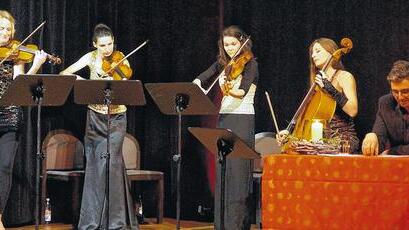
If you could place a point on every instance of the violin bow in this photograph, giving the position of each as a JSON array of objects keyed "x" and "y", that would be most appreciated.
[
  {"x": 124, "y": 58},
  {"x": 272, "y": 111},
  {"x": 22, "y": 42},
  {"x": 231, "y": 60}
]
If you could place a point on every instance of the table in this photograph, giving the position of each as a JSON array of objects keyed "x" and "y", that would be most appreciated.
[{"x": 335, "y": 192}]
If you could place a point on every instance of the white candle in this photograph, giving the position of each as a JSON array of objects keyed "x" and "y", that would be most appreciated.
[{"x": 316, "y": 130}]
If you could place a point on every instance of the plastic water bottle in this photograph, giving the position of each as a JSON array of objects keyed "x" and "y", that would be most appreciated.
[
  {"x": 139, "y": 211},
  {"x": 47, "y": 211}
]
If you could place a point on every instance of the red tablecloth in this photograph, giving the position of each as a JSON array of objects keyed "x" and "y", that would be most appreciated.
[{"x": 335, "y": 192}]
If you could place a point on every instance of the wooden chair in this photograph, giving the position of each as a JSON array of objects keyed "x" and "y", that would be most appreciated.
[
  {"x": 64, "y": 162},
  {"x": 131, "y": 153}
]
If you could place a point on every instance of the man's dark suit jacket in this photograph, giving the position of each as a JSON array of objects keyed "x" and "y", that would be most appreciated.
[{"x": 391, "y": 127}]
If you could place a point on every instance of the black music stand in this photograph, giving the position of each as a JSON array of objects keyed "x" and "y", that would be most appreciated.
[
  {"x": 38, "y": 90},
  {"x": 108, "y": 92},
  {"x": 227, "y": 145},
  {"x": 180, "y": 98}
]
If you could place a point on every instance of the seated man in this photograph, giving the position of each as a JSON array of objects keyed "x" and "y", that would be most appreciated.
[{"x": 390, "y": 132}]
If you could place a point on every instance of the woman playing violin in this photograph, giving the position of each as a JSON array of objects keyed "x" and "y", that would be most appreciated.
[
  {"x": 92, "y": 208},
  {"x": 340, "y": 85},
  {"x": 10, "y": 116},
  {"x": 238, "y": 84}
]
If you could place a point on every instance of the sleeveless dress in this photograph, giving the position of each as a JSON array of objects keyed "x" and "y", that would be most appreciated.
[{"x": 342, "y": 125}]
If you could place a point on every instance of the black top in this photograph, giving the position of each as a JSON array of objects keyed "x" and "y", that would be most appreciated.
[
  {"x": 392, "y": 126},
  {"x": 10, "y": 116}
]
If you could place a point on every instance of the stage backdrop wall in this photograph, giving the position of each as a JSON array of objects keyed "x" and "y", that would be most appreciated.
[{"x": 182, "y": 43}]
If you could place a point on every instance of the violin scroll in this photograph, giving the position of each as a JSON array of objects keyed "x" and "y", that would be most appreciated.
[{"x": 53, "y": 59}]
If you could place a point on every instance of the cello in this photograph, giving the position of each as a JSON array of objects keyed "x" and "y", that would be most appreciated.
[{"x": 317, "y": 104}]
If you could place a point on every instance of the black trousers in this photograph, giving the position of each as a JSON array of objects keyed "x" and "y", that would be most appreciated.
[
  {"x": 238, "y": 184},
  {"x": 8, "y": 149}
]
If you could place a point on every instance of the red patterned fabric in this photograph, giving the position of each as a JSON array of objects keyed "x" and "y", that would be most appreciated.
[{"x": 335, "y": 192}]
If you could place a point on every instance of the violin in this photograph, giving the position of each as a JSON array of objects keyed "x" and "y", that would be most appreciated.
[
  {"x": 115, "y": 67},
  {"x": 114, "y": 64},
  {"x": 317, "y": 104},
  {"x": 19, "y": 53},
  {"x": 235, "y": 70},
  {"x": 236, "y": 67}
]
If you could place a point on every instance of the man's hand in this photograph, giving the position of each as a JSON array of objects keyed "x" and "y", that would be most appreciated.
[
  {"x": 386, "y": 152},
  {"x": 370, "y": 145}
]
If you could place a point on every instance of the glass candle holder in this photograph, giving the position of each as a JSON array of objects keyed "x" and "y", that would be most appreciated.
[{"x": 345, "y": 147}]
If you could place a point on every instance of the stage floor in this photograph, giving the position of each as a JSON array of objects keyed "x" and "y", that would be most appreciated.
[{"x": 168, "y": 223}]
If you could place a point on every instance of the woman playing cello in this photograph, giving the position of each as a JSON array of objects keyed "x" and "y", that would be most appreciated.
[
  {"x": 238, "y": 83},
  {"x": 93, "y": 205},
  {"x": 340, "y": 85}
]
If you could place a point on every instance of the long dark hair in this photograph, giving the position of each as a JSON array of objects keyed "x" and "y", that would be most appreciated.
[
  {"x": 101, "y": 30},
  {"x": 330, "y": 46},
  {"x": 232, "y": 31}
]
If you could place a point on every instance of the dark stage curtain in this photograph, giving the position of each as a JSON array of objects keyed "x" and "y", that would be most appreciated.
[
  {"x": 283, "y": 30},
  {"x": 183, "y": 37},
  {"x": 182, "y": 42}
]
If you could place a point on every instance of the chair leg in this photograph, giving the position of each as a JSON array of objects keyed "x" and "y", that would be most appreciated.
[{"x": 159, "y": 192}]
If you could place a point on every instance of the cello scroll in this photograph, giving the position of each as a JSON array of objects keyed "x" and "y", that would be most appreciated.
[{"x": 347, "y": 45}]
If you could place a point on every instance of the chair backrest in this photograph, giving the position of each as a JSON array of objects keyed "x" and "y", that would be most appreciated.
[
  {"x": 131, "y": 152},
  {"x": 63, "y": 151},
  {"x": 265, "y": 143}
]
